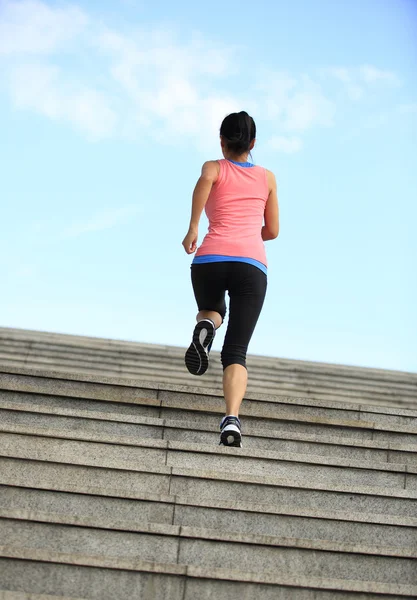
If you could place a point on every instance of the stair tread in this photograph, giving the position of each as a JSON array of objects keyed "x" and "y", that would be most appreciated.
[
  {"x": 219, "y": 475},
  {"x": 17, "y": 595},
  {"x": 249, "y": 431},
  {"x": 146, "y": 366},
  {"x": 31, "y": 432},
  {"x": 278, "y": 509},
  {"x": 99, "y": 462},
  {"x": 204, "y": 533},
  {"x": 29, "y": 337},
  {"x": 265, "y": 577},
  {"x": 52, "y": 375}
]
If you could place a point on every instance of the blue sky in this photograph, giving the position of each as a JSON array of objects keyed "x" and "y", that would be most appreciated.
[{"x": 109, "y": 109}]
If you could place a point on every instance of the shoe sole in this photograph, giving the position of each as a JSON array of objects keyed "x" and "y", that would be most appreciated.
[
  {"x": 231, "y": 437},
  {"x": 196, "y": 357}
]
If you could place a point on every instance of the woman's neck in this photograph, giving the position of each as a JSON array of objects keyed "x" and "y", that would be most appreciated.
[{"x": 242, "y": 158}]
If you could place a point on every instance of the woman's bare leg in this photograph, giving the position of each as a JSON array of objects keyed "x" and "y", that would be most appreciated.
[
  {"x": 235, "y": 378},
  {"x": 212, "y": 315}
]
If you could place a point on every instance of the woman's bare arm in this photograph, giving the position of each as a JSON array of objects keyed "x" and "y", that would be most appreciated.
[
  {"x": 208, "y": 177},
  {"x": 270, "y": 230}
]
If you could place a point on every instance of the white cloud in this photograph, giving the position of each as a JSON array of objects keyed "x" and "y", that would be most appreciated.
[
  {"x": 308, "y": 107},
  {"x": 31, "y": 26},
  {"x": 410, "y": 108},
  {"x": 288, "y": 145},
  {"x": 371, "y": 74},
  {"x": 34, "y": 86},
  {"x": 46, "y": 232},
  {"x": 131, "y": 3},
  {"x": 106, "y": 219},
  {"x": 340, "y": 73},
  {"x": 26, "y": 271},
  {"x": 167, "y": 82},
  {"x": 345, "y": 76},
  {"x": 45, "y": 89},
  {"x": 355, "y": 92},
  {"x": 295, "y": 105},
  {"x": 357, "y": 80},
  {"x": 106, "y": 82},
  {"x": 275, "y": 89}
]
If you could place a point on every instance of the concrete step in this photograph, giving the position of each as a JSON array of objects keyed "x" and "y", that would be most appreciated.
[
  {"x": 17, "y": 364},
  {"x": 261, "y": 381},
  {"x": 164, "y": 363},
  {"x": 28, "y": 379},
  {"x": 99, "y": 578},
  {"x": 108, "y": 537},
  {"x": 102, "y": 475},
  {"x": 209, "y": 485},
  {"x": 31, "y": 341},
  {"x": 109, "y": 451},
  {"x": 75, "y": 419},
  {"x": 185, "y": 403},
  {"x": 173, "y": 366},
  {"x": 262, "y": 519},
  {"x": 10, "y": 595}
]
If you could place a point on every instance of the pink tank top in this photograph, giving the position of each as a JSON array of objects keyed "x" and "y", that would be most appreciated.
[{"x": 235, "y": 210}]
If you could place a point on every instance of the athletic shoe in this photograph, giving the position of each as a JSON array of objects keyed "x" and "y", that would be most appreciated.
[
  {"x": 230, "y": 434},
  {"x": 197, "y": 355}
]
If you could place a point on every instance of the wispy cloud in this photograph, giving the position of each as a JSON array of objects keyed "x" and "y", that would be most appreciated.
[
  {"x": 106, "y": 219},
  {"x": 288, "y": 145},
  {"x": 408, "y": 108},
  {"x": 371, "y": 74},
  {"x": 51, "y": 231},
  {"x": 350, "y": 82},
  {"x": 296, "y": 104},
  {"x": 107, "y": 82},
  {"x": 358, "y": 80},
  {"x": 309, "y": 107},
  {"x": 46, "y": 90},
  {"x": 26, "y": 271},
  {"x": 31, "y": 26}
]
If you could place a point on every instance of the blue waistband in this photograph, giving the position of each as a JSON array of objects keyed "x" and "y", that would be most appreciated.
[{"x": 210, "y": 258}]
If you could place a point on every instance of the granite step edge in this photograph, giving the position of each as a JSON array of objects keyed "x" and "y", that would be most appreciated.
[
  {"x": 264, "y": 377},
  {"x": 210, "y": 475},
  {"x": 165, "y": 423},
  {"x": 204, "y": 533},
  {"x": 195, "y": 448},
  {"x": 278, "y": 509},
  {"x": 33, "y": 336},
  {"x": 208, "y": 573},
  {"x": 189, "y": 389}
]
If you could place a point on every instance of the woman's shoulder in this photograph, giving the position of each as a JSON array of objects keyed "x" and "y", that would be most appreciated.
[
  {"x": 267, "y": 171},
  {"x": 270, "y": 177},
  {"x": 211, "y": 169},
  {"x": 269, "y": 174}
]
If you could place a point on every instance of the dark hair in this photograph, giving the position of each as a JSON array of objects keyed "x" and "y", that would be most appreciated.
[{"x": 238, "y": 130}]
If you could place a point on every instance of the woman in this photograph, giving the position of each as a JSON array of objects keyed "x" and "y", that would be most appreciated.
[{"x": 241, "y": 204}]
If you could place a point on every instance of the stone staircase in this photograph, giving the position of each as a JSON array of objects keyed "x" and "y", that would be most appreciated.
[
  {"x": 108, "y": 492},
  {"x": 165, "y": 364}
]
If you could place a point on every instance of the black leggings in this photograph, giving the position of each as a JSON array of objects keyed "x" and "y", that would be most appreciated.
[{"x": 246, "y": 285}]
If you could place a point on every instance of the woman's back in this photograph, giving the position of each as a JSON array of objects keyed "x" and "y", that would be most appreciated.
[{"x": 235, "y": 209}]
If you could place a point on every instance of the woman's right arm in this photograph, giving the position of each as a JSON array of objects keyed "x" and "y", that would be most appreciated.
[
  {"x": 270, "y": 230},
  {"x": 208, "y": 177}
]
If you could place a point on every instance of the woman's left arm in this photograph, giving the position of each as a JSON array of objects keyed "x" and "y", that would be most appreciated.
[{"x": 208, "y": 177}]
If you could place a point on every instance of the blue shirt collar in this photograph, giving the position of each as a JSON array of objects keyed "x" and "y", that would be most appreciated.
[{"x": 241, "y": 164}]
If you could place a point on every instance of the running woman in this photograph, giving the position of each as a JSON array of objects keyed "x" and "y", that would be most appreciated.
[{"x": 240, "y": 200}]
